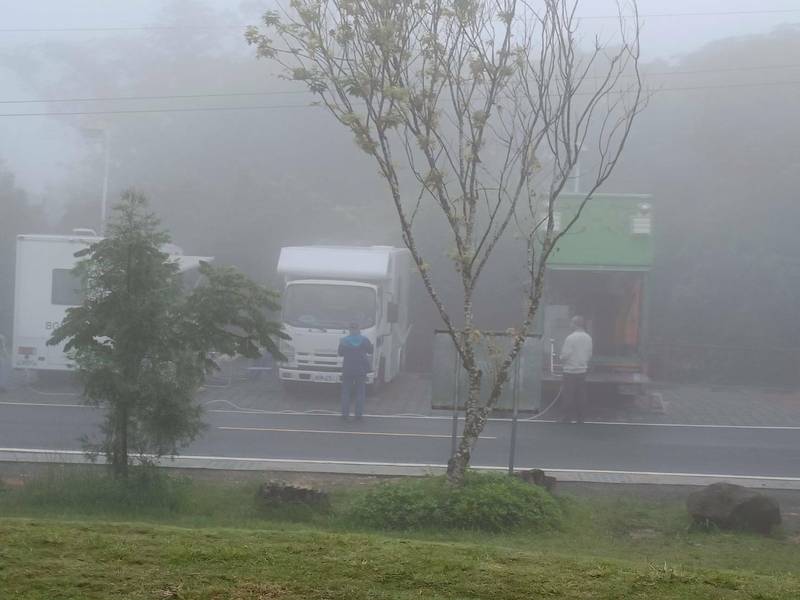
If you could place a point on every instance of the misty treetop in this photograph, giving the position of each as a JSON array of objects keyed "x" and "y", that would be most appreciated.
[{"x": 143, "y": 344}]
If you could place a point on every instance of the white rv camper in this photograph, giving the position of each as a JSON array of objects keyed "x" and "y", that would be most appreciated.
[
  {"x": 329, "y": 287},
  {"x": 45, "y": 288}
]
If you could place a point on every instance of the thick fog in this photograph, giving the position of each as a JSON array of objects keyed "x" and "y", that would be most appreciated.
[{"x": 260, "y": 169}]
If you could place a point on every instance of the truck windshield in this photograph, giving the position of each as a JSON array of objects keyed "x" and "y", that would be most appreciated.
[{"x": 329, "y": 306}]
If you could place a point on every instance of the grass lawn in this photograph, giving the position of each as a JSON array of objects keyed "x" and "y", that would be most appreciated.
[
  {"x": 86, "y": 560},
  {"x": 209, "y": 540}
]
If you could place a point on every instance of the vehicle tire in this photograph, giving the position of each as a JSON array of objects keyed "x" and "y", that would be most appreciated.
[
  {"x": 402, "y": 364},
  {"x": 380, "y": 380}
]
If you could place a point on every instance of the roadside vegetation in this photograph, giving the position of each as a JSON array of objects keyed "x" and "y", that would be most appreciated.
[
  {"x": 485, "y": 502},
  {"x": 143, "y": 343},
  {"x": 75, "y": 533}
]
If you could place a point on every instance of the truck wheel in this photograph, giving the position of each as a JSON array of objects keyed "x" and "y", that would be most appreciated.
[
  {"x": 380, "y": 380},
  {"x": 402, "y": 362}
]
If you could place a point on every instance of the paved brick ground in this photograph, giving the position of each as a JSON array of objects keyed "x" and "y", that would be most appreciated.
[
  {"x": 706, "y": 405},
  {"x": 410, "y": 394}
]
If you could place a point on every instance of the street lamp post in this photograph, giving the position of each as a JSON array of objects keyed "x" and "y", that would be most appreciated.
[
  {"x": 456, "y": 397},
  {"x": 512, "y": 451},
  {"x": 104, "y": 198},
  {"x": 101, "y": 133}
]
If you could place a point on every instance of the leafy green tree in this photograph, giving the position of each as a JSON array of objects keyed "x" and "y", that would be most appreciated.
[
  {"x": 143, "y": 346},
  {"x": 488, "y": 105}
]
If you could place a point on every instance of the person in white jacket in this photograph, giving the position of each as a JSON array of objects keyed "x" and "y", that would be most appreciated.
[{"x": 575, "y": 356}]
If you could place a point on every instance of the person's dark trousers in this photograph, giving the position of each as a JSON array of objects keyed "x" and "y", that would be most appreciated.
[
  {"x": 574, "y": 391},
  {"x": 353, "y": 385}
]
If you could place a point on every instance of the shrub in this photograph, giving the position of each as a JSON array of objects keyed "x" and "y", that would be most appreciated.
[
  {"x": 282, "y": 501},
  {"x": 488, "y": 502}
]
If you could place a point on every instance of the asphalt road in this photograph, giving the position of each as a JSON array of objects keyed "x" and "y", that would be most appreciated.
[{"x": 646, "y": 448}]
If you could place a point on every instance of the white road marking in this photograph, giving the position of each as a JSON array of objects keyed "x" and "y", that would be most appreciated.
[
  {"x": 684, "y": 425},
  {"x": 46, "y": 404},
  {"x": 506, "y": 420},
  {"x": 316, "y": 413},
  {"x": 345, "y": 432}
]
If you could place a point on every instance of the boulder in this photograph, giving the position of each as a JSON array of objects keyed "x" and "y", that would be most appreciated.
[
  {"x": 730, "y": 506},
  {"x": 537, "y": 477},
  {"x": 278, "y": 493}
]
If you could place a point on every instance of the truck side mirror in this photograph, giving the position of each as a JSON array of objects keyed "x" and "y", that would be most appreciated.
[{"x": 392, "y": 312}]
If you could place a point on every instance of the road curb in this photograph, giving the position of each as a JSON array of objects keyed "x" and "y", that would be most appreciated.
[{"x": 403, "y": 469}]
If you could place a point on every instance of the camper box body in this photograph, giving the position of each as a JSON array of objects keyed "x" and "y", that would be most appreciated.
[
  {"x": 601, "y": 270},
  {"x": 45, "y": 287}
]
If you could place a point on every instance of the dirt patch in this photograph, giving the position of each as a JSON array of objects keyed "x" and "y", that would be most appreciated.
[
  {"x": 12, "y": 483},
  {"x": 14, "y": 474},
  {"x": 643, "y": 534},
  {"x": 255, "y": 591}
]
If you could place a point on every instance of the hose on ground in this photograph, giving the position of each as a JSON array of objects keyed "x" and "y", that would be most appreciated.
[{"x": 542, "y": 413}]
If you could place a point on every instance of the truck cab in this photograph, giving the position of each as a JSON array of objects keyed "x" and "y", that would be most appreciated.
[{"x": 328, "y": 288}]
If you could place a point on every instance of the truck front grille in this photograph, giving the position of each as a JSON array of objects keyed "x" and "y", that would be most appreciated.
[{"x": 304, "y": 366}]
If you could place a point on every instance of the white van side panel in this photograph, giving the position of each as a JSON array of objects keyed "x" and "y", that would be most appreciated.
[{"x": 35, "y": 315}]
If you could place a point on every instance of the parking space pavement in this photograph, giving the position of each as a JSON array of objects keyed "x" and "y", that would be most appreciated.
[
  {"x": 410, "y": 394},
  {"x": 723, "y": 405},
  {"x": 236, "y": 388}
]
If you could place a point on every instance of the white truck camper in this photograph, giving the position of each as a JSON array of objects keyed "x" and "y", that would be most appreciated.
[
  {"x": 330, "y": 287},
  {"x": 45, "y": 288}
]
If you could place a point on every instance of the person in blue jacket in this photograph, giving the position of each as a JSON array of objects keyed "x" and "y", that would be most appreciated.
[{"x": 354, "y": 349}]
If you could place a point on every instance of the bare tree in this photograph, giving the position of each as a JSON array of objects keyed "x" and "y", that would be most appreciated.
[{"x": 489, "y": 104}]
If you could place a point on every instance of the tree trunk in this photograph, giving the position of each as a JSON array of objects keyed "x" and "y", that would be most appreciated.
[
  {"x": 474, "y": 422},
  {"x": 119, "y": 455}
]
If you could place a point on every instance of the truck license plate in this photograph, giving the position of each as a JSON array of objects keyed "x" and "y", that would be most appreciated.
[{"x": 326, "y": 378}]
